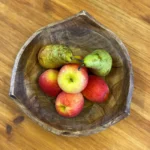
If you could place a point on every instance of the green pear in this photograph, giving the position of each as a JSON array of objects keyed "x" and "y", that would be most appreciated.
[
  {"x": 54, "y": 56},
  {"x": 99, "y": 61}
]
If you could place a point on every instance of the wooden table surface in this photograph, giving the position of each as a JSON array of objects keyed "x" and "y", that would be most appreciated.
[{"x": 129, "y": 19}]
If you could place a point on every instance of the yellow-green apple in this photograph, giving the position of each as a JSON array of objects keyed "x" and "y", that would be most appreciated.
[
  {"x": 71, "y": 79},
  {"x": 69, "y": 105},
  {"x": 97, "y": 90},
  {"x": 48, "y": 82}
]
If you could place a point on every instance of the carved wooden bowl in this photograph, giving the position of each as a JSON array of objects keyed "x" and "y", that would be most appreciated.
[{"x": 83, "y": 34}]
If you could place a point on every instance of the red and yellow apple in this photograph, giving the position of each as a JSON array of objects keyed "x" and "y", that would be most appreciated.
[
  {"x": 69, "y": 105},
  {"x": 48, "y": 82},
  {"x": 97, "y": 90},
  {"x": 71, "y": 79}
]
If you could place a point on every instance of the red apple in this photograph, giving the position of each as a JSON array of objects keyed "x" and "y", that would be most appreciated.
[
  {"x": 48, "y": 82},
  {"x": 71, "y": 79},
  {"x": 97, "y": 90},
  {"x": 69, "y": 105}
]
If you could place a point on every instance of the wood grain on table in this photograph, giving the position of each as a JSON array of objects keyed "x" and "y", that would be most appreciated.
[{"x": 129, "y": 19}]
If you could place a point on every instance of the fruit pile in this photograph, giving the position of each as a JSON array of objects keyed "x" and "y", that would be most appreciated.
[{"x": 68, "y": 79}]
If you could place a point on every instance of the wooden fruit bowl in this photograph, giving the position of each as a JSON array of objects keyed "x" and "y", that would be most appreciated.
[{"x": 83, "y": 34}]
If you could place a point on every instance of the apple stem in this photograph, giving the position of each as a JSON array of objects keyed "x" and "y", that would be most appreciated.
[{"x": 82, "y": 65}]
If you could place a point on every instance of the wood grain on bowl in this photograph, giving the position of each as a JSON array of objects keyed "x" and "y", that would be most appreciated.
[{"x": 84, "y": 34}]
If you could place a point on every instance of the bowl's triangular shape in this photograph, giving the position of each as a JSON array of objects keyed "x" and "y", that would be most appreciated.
[{"x": 82, "y": 33}]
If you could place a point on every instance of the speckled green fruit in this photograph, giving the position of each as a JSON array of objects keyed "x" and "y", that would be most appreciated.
[{"x": 54, "y": 56}]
